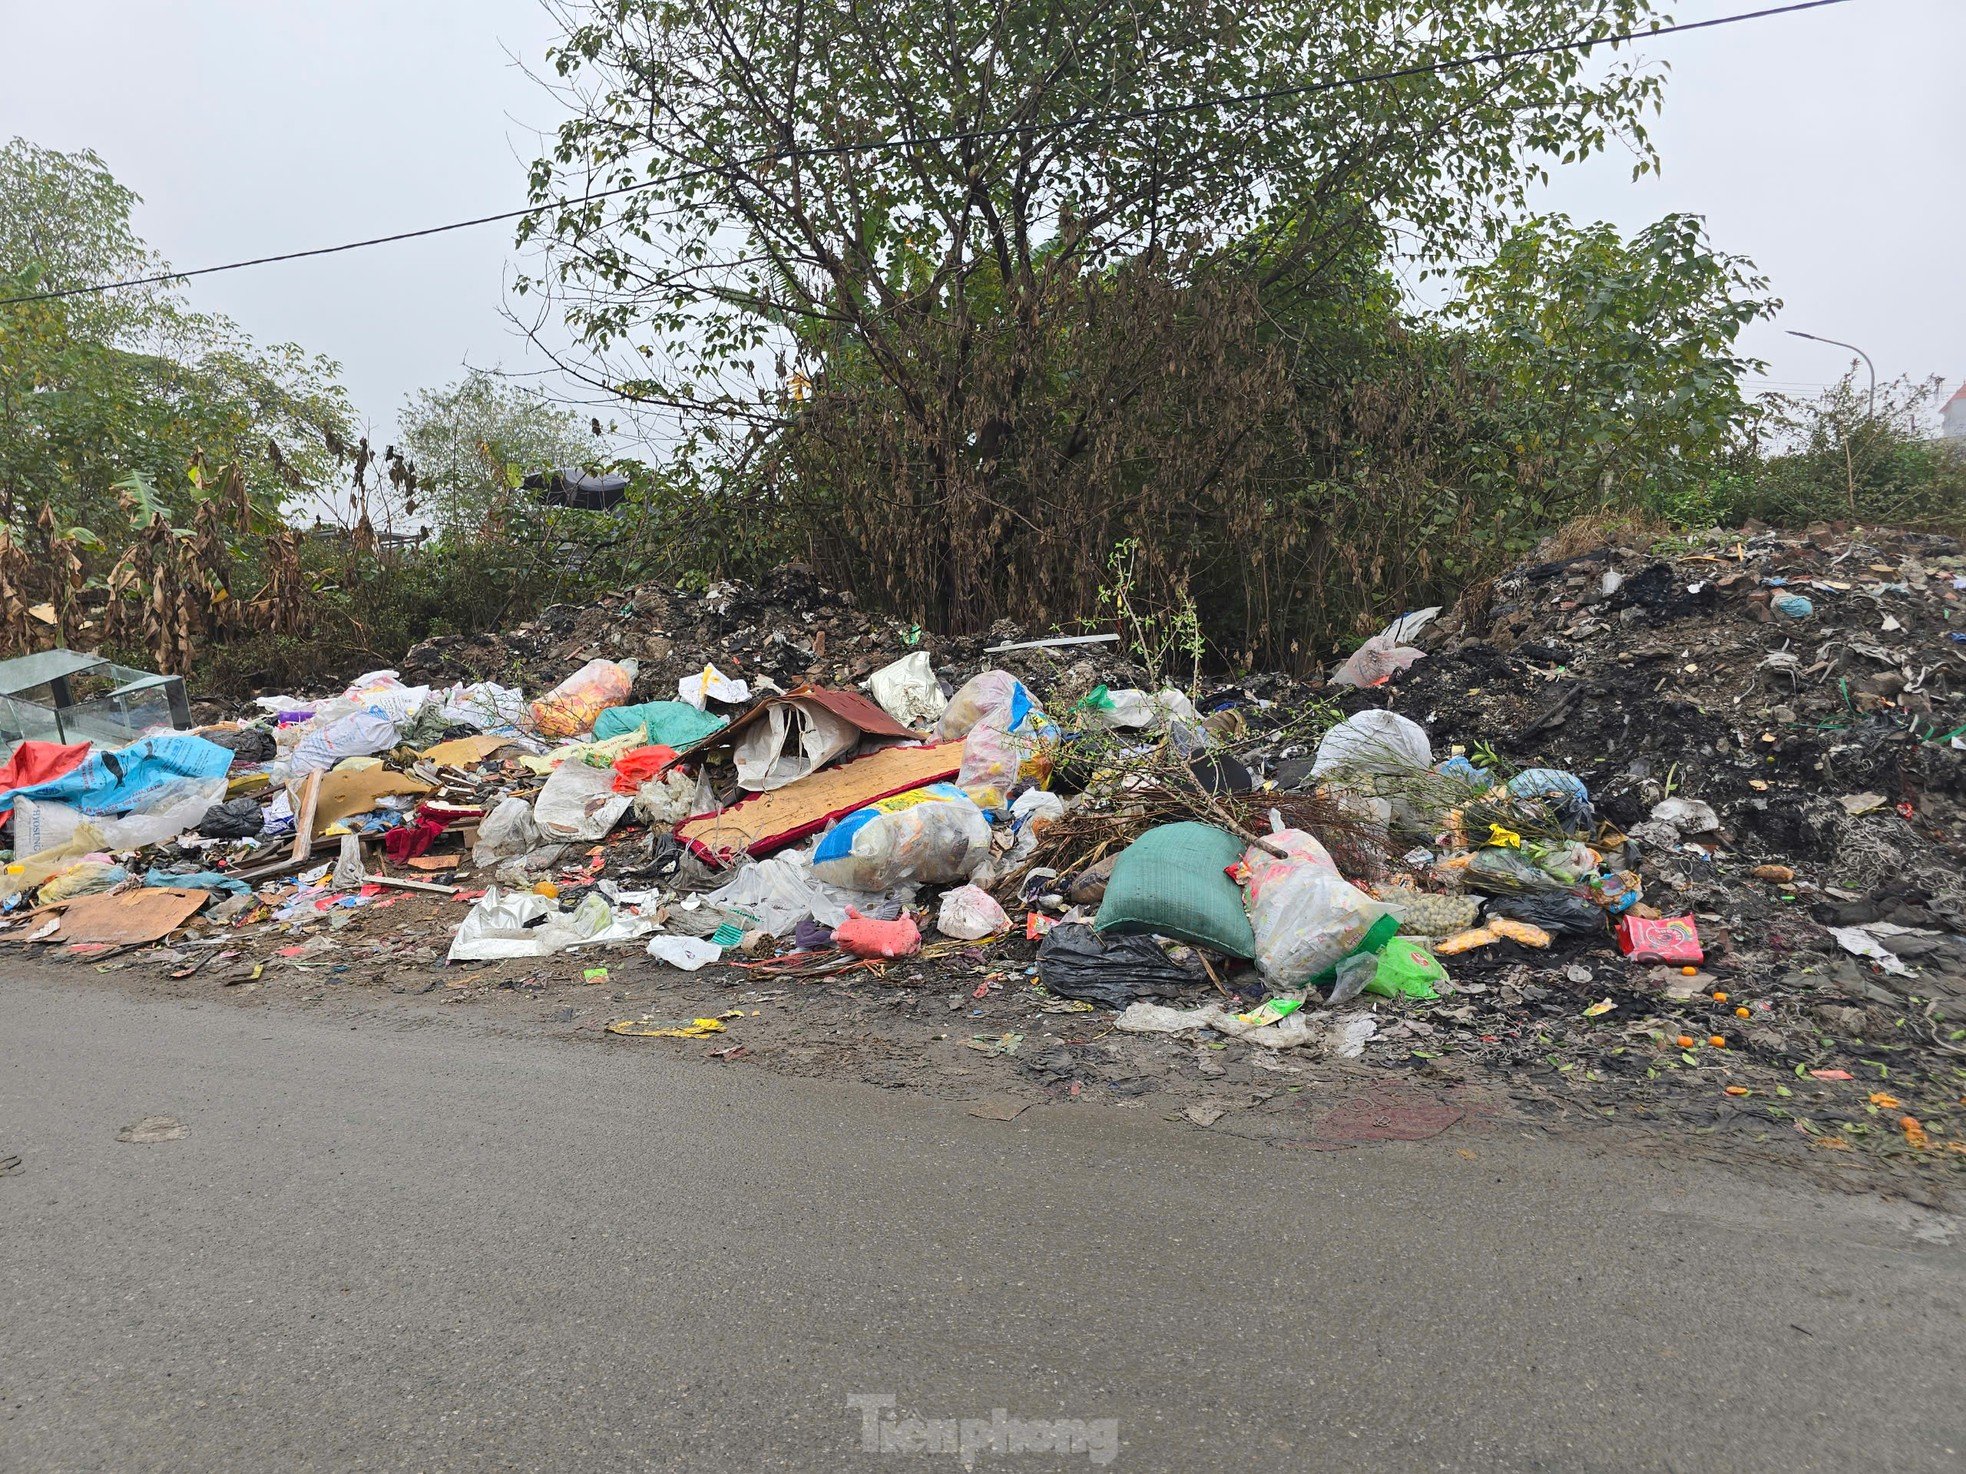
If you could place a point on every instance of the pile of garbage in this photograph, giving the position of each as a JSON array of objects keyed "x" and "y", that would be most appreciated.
[{"x": 1687, "y": 814}]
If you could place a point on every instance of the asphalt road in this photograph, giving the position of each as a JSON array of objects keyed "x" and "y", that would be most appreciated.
[{"x": 439, "y": 1247}]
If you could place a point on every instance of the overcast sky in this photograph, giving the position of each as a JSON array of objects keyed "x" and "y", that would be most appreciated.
[{"x": 1830, "y": 147}]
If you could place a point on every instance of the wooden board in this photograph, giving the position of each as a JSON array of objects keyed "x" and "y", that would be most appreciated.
[{"x": 769, "y": 821}]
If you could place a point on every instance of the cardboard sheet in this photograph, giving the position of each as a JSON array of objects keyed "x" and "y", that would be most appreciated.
[
  {"x": 147, "y": 915},
  {"x": 465, "y": 752},
  {"x": 769, "y": 821},
  {"x": 345, "y": 792}
]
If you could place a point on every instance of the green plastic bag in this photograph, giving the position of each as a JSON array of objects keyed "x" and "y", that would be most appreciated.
[
  {"x": 1407, "y": 970},
  {"x": 1172, "y": 882},
  {"x": 674, "y": 724}
]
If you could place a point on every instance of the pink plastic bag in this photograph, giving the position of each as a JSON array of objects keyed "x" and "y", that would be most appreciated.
[{"x": 862, "y": 936}]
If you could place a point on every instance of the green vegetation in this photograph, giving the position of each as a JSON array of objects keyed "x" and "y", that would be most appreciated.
[{"x": 1087, "y": 347}]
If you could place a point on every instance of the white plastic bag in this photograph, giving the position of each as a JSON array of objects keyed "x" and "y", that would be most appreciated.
[
  {"x": 673, "y": 797},
  {"x": 908, "y": 691},
  {"x": 359, "y": 734},
  {"x": 781, "y": 891},
  {"x": 933, "y": 834},
  {"x": 1034, "y": 812},
  {"x": 43, "y": 824},
  {"x": 712, "y": 685},
  {"x": 1304, "y": 913},
  {"x": 1383, "y": 656},
  {"x": 579, "y": 803},
  {"x": 970, "y": 913},
  {"x": 688, "y": 953},
  {"x": 1373, "y": 740},
  {"x": 348, "y": 872},
  {"x": 794, "y": 738},
  {"x": 165, "y": 812},
  {"x": 506, "y": 924},
  {"x": 484, "y": 705}
]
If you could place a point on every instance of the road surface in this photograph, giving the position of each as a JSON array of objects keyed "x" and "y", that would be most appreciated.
[{"x": 399, "y": 1246}]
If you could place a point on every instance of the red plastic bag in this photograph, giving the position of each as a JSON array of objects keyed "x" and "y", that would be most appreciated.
[
  {"x": 862, "y": 936},
  {"x": 1669, "y": 939},
  {"x": 633, "y": 769}
]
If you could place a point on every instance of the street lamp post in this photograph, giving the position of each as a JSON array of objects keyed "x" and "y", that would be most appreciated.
[{"x": 1839, "y": 343}]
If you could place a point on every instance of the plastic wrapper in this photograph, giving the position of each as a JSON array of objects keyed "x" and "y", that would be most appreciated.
[
  {"x": 579, "y": 803},
  {"x": 503, "y": 924},
  {"x": 1569, "y": 863},
  {"x": 691, "y": 954},
  {"x": 908, "y": 691},
  {"x": 1383, "y": 656},
  {"x": 1504, "y": 872},
  {"x": 710, "y": 685},
  {"x": 83, "y": 878},
  {"x": 1373, "y": 741},
  {"x": 672, "y": 798},
  {"x": 359, "y": 734},
  {"x": 1305, "y": 915},
  {"x": 571, "y": 707},
  {"x": 348, "y": 872},
  {"x": 969, "y": 914},
  {"x": 383, "y": 692},
  {"x": 1665, "y": 939},
  {"x": 641, "y": 765},
  {"x": 932, "y": 835}
]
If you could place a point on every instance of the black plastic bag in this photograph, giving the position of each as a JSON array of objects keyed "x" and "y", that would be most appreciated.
[
  {"x": 1076, "y": 962},
  {"x": 247, "y": 745},
  {"x": 1557, "y": 912},
  {"x": 239, "y": 818}
]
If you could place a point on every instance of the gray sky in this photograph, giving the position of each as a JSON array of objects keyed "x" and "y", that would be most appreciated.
[{"x": 1829, "y": 147}]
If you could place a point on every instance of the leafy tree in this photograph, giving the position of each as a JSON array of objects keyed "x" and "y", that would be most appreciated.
[
  {"x": 973, "y": 334},
  {"x": 1614, "y": 359},
  {"x": 113, "y": 394},
  {"x": 472, "y": 441}
]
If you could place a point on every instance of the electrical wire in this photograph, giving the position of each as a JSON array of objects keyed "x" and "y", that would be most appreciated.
[{"x": 1220, "y": 100}]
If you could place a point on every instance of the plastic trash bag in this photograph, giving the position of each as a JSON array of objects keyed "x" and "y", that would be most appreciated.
[
  {"x": 674, "y": 724},
  {"x": 794, "y": 739},
  {"x": 672, "y": 798},
  {"x": 689, "y": 953},
  {"x": 1429, "y": 914},
  {"x": 83, "y": 878},
  {"x": 579, "y": 803},
  {"x": 1382, "y": 657},
  {"x": 908, "y": 691},
  {"x": 781, "y": 891},
  {"x": 166, "y": 811},
  {"x": 348, "y": 872},
  {"x": 1032, "y": 814},
  {"x": 642, "y": 765},
  {"x": 246, "y": 744},
  {"x": 483, "y": 705},
  {"x": 1076, "y": 962},
  {"x": 1688, "y": 815},
  {"x": 863, "y": 936},
  {"x": 506, "y": 833},
  {"x": 712, "y": 685},
  {"x": 933, "y": 835},
  {"x": 1558, "y": 912},
  {"x": 571, "y": 707},
  {"x": 1373, "y": 740},
  {"x": 1504, "y": 872},
  {"x": 359, "y": 734},
  {"x": 504, "y": 924},
  {"x": 1002, "y": 727},
  {"x": 238, "y": 818},
  {"x": 1306, "y": 916},
  {"x": 970, "y": 913},
  {"x": 1564, "y": 794}
]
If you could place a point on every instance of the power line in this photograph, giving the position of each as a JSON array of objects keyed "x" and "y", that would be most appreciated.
[{"x": 1202, "y": 104}]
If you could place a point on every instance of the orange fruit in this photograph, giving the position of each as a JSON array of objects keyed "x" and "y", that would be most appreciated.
[
  {"x": 1742, "y": 1013},
  {"x": 1718, "y": 1041},
  {"x": 1684, "y": 1041},
  {"x": 1720, "y": 998}
]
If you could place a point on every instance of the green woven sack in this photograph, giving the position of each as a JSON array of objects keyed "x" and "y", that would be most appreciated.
[{"x": 1170, "y": 882}]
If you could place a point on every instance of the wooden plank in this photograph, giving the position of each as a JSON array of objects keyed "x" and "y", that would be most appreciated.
[{"x": 310, "y": 798}]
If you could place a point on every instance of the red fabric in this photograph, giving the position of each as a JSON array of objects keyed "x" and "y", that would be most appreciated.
[
  {"x": 633, "y": 769},
  {"x": 412, "y": 839},
  {"x": 37, "y": 762}
]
